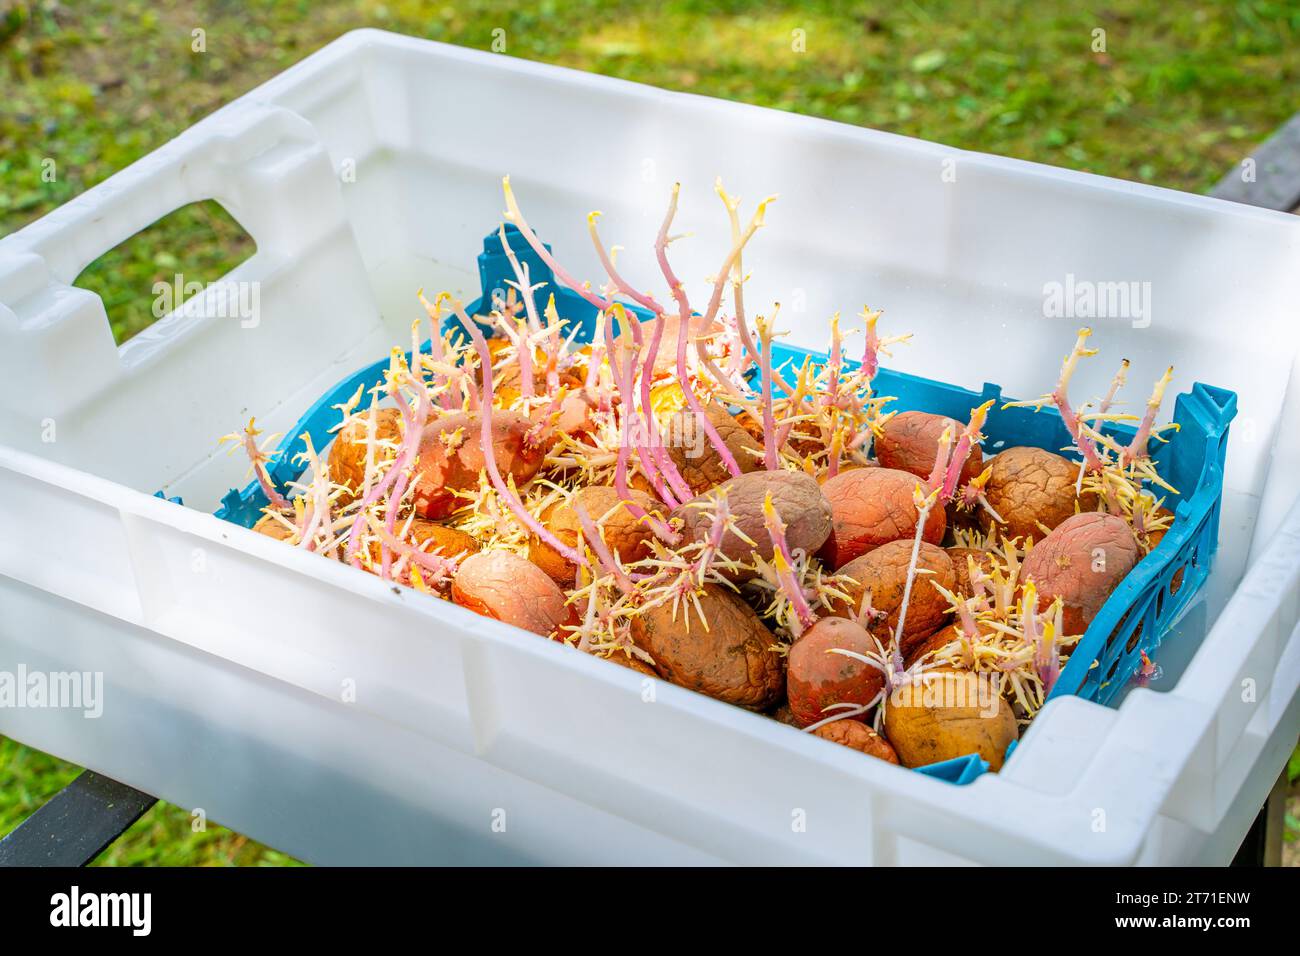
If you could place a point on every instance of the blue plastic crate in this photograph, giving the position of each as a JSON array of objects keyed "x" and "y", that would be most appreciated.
[{"x": 1141, "y": 612}]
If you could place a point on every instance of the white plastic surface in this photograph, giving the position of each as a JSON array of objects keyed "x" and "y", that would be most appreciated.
[{"x": 324, "y": 712}]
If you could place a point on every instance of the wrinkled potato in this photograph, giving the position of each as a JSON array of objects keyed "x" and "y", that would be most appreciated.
[
  {"x": 627, "y": 537},
  {"x": 825, "y": 476},
  {"x": 448, "y": 542},
  {"x": 504, "y": 586},
  {"x": 946, "y": 714},
  {"x": 1081, "y": 562},
  {"x": 910, "y": 442},
  {"x": 347, "y": 457},
  {"x": 444, "y": 541},
  {"x": 961, "y": 567},
  {"x": 732, "y": 660},
  {"x": 871, "y": 507},
  {"x": 858, "y": 736},
  {"x": 934, "y": 642},
  {"x": 883, "y": 572},
  {"x": 796, "y": 497},
  {"x": 785, "y": 715},
  {"x": 624, "y": 659},
  {"x": 1029, "y": 486},
  {"x": 816, "y": 678},
  {"x": 698, "y": 461},
  {"x": 451, "y": 457}
]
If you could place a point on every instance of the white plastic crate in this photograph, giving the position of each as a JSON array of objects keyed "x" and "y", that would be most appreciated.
[{"x": 227, "y": 657}]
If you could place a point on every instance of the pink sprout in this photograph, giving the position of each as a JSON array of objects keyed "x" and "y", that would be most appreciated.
[
  {"x": 506, "y": 491},
  {"x": 783, "y": 562}
]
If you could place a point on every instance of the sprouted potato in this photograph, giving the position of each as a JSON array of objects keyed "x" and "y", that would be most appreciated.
[{"x": 810, "y": 554}]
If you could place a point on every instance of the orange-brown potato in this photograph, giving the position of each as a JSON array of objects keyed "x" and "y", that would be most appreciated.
[
  {"x": 574, "y": 410},
  {"x": 448, "y": 542},
  {"x": 785, "y": 715},
  {"x": 624, "y": 659},
  {"x": 273, "y": 527},
  {"x": 444, "y": 541},
  {"x": 845, "y": 466},
  {"x": 347, "y": 457},
  {"x": 949, "y": 713},
  {"x": 883, "y": 572},
  {"x": 733, "y": 660},
  {"x": 627, "y": 537},
  {"x": 796, "y": 497},
  {"x": 857, "y": 736},
  {"x": 574, "y": 417},
  {"x": 817, "y": 678},
  {"x": 910, "y": 442},
  {"x": 694, "y": 455},
  {"x": 961, "y": 558},
  {"x": 1081, "y": 562},
  {"x": 666, "y": 355},
  {"x": 502, "y": 585},
  {"x": 451, "y": 457},
  {"x": 506, "y": 380},
  {"x": 871, "y": 507},
  {"x": 1029, "y": 486},
  {"x": 932, "y": 644}
]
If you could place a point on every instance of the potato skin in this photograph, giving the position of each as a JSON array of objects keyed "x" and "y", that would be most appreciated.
[
  {"x": 272, "y": 528},
  {"x": 857, "y": 736},
  {"x": 624, "y": 659},
  {"x": 943, "y": 716},
  {"x": 846, "y": 466},
  {"x": 871, "y": 507},
  {"x": 883, "y": 571},
  {"x": 347, "y": 457},
  {"x": 451, "y": 541},
  {"x": 961, "y": 569},
  {"x": 816, "y": 678},
  {"x": 626, "y": 537},
  {"x": 1081, "y": 562},
  {"x": 732, "y": 661},
  {"x": 504, "y": 586},
  {"x": 909, "y": 441},
  {"x": 934, "y": 642},
  {"x": 700, "y": 464},
  {"x": 446, "y": 542},
  {"x": 784, "y": 715},
  {"x": 796, "y": 497},
  {"x": 441, "y": 471},
  {"x": 1031, "y": 485},
  {"x": 574, "y": 418}
]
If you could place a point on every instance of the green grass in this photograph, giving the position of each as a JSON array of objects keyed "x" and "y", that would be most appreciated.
[
  {"x": 1179, "y": 97},
  {"x": 164, "y": 836}
]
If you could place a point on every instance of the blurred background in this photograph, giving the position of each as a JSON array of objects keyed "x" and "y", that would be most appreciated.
[{"x": 1175, "y": 94}]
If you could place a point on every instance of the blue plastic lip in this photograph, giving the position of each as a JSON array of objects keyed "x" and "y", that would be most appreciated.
[{"x": 1196, "y": 451}]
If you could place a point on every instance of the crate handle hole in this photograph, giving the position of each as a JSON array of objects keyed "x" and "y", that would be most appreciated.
[{"x": 155, "y": 271}]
